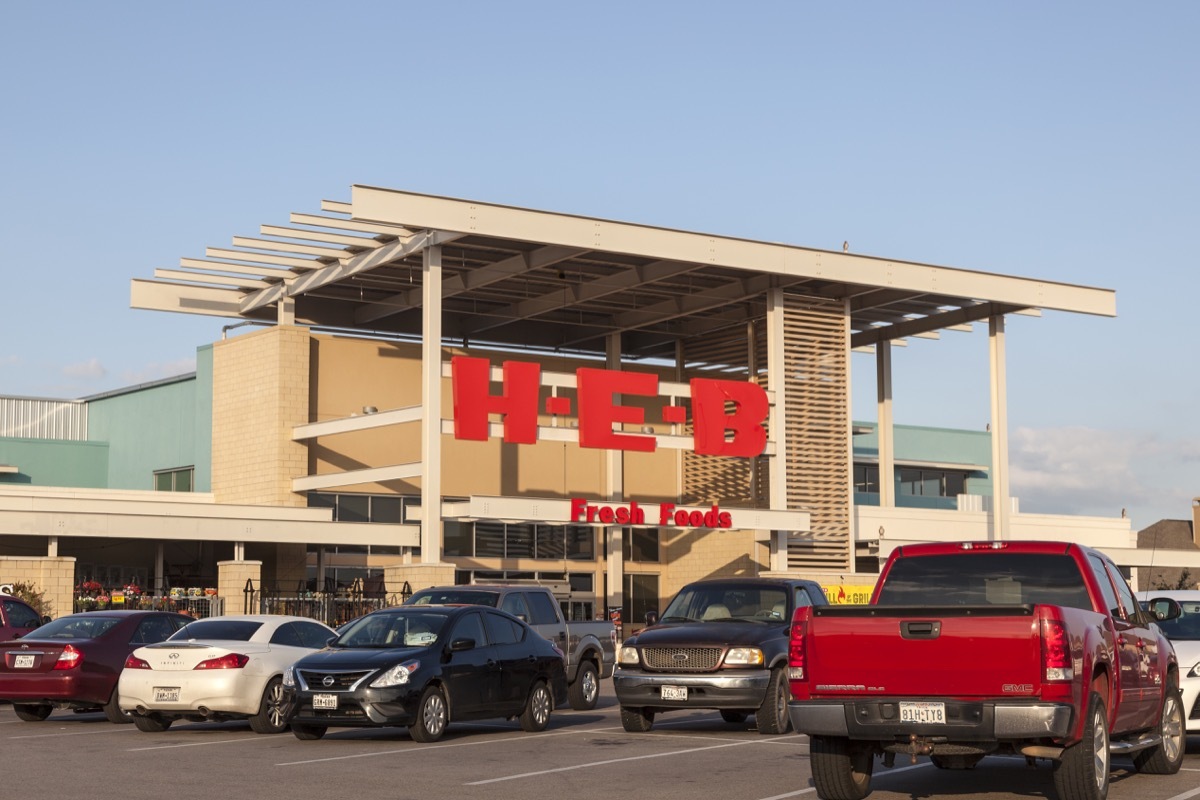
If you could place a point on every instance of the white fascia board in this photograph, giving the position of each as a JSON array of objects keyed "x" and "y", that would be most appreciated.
[
  {"x": 8, "y": 469},
  {"x": 356, "y": 423},
  {"x": 357, "y": 476},
  {"x": 426, "y": 211},
  {"x": 555, "y": 511},
  {"x": 184, "y": 299}
]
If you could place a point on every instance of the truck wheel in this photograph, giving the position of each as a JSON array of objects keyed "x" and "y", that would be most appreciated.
[
  {"x": 1082, "y": 772},
  {"x": 536, "y": 715},
  {"x": 637, "y": 720},
  {"x": 1167, "y": 757},
  {"x": 585, "y": 691},
  {"x": 839, "y": 771},
  {"x": 772, "y": 715}
]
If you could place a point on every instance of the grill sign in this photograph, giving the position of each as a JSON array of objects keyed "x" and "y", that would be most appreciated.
[{"x": 719, "y": 407}]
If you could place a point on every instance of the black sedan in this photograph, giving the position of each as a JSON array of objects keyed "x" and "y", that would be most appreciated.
[{"x": 424, "y": 667}]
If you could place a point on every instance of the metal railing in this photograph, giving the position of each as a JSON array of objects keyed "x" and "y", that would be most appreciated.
[
  {"x": 198, "y": 607},
  {"x": 335, "y": 606}
]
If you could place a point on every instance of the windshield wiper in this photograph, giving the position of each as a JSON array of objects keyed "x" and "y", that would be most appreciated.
[{"x": 676, "y": 619}]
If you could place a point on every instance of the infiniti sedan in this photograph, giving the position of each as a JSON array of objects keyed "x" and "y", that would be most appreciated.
[
  {"x": 424, "y": 667},
  {"x": 218, "y": 669},
  {"x": 1184, "y": 633}
]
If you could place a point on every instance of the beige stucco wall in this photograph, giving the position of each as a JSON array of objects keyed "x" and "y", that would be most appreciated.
[
  {"x": 260, "y": 393},
  {"x": 231, "y": 584},
  {"x": 694, "y": 555},
  {"x": 53, "y": 576}
]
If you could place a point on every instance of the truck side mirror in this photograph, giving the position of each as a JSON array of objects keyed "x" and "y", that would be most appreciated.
[{"x": 651, "y": 618}]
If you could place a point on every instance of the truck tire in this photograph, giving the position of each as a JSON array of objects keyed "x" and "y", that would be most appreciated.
[
  {"x": 839, "y": 771},
  {"x": 1082, "y": 772},
  {"x": 585, "y": 691},
  {"x": 772, "y": 715},
  {"x": 1167, "y": 757},
  {"x": 637, "y": 720}
]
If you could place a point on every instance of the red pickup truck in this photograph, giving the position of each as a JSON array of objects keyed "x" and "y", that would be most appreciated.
[{"x": 973, "y": 648}]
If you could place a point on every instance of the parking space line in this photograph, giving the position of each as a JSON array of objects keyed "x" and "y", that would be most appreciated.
[
  {"x": 77, "y": 733},
  {"x": 422, "y": 749},
  {"x": 1186, "y": 795},
  {"x": 197, "y": 744},
  {"x": 812, "y": 789},
  {"x": 615, "y": 761}
]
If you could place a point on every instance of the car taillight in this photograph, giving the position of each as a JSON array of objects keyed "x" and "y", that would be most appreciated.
[
  {"x": 231, "y": 661},
  {"x": 133, "y": 662},
  {"x": 796, "y": 645},
  {"x": 1056, "y": 651},
  {"x": 69, "y": 658}
]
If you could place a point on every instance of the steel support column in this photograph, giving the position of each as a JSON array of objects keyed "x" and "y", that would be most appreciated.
[
  {"x": 885, "y": 432},
  {"x": 615, "y": 468},
  {"x": 999, "y": 388},
  {"x": 777, "y": 385},
  {"x": 431, "y": 405}
]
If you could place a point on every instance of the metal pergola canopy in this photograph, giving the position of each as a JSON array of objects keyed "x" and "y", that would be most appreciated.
[{"x": 516, "y": 277}]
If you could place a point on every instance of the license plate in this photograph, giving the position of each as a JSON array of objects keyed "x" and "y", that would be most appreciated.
[
  {"x": 166, "y": 694},
  {"x": 325, "y": 701},
  {"x": 23, "y": 662},
  {"x": 923, "y": 712},
  {"x": 674, "y": 693}
]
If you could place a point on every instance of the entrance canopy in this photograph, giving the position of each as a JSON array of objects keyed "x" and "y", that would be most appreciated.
[{"x": 515, "y": 277}]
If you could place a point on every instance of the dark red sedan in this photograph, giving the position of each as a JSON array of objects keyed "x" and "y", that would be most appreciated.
[{"x": 75, "y": 661}]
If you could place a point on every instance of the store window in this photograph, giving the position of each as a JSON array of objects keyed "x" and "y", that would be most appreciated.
[
  {"x": 640, "y": 545},
  {"x": 641, "y": 595},
  {"x": 180, "y": 479}
]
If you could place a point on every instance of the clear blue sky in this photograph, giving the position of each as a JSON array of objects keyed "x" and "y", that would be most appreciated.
[{"x": 1054, "y": 141}]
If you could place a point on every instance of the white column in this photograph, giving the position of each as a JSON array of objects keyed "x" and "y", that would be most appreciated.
[
  {"x": 52, "y": 547},
  {"x": 999, "y": 385},
  {"x": 615, "y": 469},
  {"x": 776, "y": 385},
  {"x": 431, "y": 406},
  {"x": 885, "y": 433}
]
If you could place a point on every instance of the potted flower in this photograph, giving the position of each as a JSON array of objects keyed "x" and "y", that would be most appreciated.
[
  {"x": 89, "y": 589},
  {"x": 102, "y": 601}
]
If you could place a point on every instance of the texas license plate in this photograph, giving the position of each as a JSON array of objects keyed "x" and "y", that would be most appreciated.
[
  {"x": 325, "y": 701},
  {"x": 166, "y": 694},
  {"x": 923, "y": 712},
  {"x": 23, "y": 662},
  {"x": 674, "y": 693}
]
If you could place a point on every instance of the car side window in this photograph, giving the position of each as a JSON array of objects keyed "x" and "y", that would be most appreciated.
[
  {"x": 514, "y": 603},
  {"x": 501, "y": 630},
  {"x": 469, "y": 627},
  {"x": 1132, "y": 609},
  {"x": 312, "y": 635},
  {"x": 19, "y": 615},
  {"x": 544, "y": 610},
  {"x": 152, "y": 629},
  {"x": 802, "y": 598},
  {"x": 1106, "y": 588},
  {"x": 286, "y": 636}
]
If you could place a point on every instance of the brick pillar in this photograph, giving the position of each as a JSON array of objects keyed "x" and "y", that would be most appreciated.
[
  {"x": 418, "y": 576},
  {"x": 231, "y": 584},
  {"x": 54, "y": 577}
]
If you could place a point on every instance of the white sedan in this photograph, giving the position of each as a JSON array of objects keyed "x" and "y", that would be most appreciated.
[
  {"x": 1184, "y": 633},
  {"x": 217, "y": 669}
]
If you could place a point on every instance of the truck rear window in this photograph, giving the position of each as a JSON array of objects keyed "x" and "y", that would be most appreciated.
[{"x": 987, "y": 578}]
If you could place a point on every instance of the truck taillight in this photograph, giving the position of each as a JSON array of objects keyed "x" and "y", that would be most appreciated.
[
  {"x": 69, "y": 658},
  {"x": 1056, "y": 651},
  {"x": 796, "y": 645}
]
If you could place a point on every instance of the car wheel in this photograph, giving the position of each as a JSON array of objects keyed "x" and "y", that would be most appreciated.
[
  {"x": 32, "y": 713},
  {"x": 637, "y": 720},
  {"x": 1167, "y": 757},
  {"x": 536, "y": 715},
  {"x": 152, "y": 723},
  {"x": 308, "y": 733},
  {"x": 772, "y": 715},
  {"x": 113, "y": 711},
  {"x": 585, "y": 691},
  {"x": 432, "y": 716},
  {"x": 1082, "y": 772},
  {"x": 839, "y": 771},
  {"x": 272, "y": 710},
  {"x": 734, "y": 717}
]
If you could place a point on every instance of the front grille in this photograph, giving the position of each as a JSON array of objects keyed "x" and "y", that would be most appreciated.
[
  {"x": 342, "y": 681},
  {"x": 681, "y": 659}
]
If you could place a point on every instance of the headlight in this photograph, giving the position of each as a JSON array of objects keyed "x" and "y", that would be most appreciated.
[
  {"x": 289, "y": 677},
  {"x": 744, "y": 657},
  {"x": 628, "y": 655},
  {"x": 396, "y": 676},
  {"x": 1194, "y": 672}
]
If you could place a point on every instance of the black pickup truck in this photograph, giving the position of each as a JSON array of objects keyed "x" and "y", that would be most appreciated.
[{"x": 722, "y": 644}]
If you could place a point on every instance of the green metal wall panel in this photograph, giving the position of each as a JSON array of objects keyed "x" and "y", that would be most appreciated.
[
  {"x": 147, "y": 429},
  {"x": 54, "y": 462}
]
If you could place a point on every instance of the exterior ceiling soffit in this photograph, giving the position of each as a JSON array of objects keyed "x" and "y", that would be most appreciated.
[
  {"x": 363, "y": 262},
  {"x": 488, "y": 219},
  {"x": 461, "y": 282},
  {"x": 933, "y": 322}
]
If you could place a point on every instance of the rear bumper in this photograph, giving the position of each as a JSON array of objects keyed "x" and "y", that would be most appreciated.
[
  {"x": 878, "y": 720},
  {"x": 62, "y": 686},
  {"x": 732, "y": 689}
]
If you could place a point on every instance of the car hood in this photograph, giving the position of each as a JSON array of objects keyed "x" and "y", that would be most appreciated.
[
  {"x": 1187, "y": 653},
  {"x": 358, "y": 657},
  {"x": 708, "y": 633}
]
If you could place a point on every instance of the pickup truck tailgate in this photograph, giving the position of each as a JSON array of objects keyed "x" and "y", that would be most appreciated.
[{"x": 967, "y": 651}]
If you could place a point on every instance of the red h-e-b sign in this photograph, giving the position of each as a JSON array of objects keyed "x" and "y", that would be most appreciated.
[{"x": 517, "y": 404}]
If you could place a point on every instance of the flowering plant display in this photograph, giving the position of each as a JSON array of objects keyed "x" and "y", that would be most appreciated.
[
  {"x": 90, "y": 588},
  {"x": 133, "y": 590}
]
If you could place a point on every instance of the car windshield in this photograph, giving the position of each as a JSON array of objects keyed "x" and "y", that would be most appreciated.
[
  {"x": 393, "y": 629},
  {"x": 458, "y": 597},
  {"x": 226, "y": 630},
  {"x": 82, "y": 626},
  {"x": 728, "y": 602},
  {"x": 1186, "y": 627}
]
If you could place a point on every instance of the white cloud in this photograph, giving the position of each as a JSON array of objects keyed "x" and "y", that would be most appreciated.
[
  {"x": 1099, "y": 473},
  {"x": 155, "y": 371},
  {"x": 10, "y": 361},
  {"x": 91, "y": 369}
]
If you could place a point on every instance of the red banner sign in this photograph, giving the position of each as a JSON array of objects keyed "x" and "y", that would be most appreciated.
[{"x": 719, "y": 407}]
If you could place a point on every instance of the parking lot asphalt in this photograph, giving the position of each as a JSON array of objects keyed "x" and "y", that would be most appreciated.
[{"x": 583, "y": 755}]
